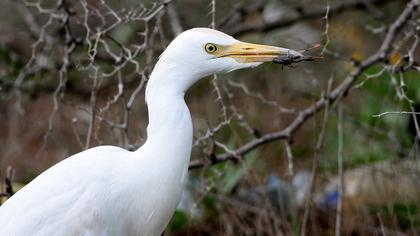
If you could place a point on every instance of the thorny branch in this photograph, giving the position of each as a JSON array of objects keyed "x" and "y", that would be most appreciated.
[
  {"x": 86, "y": 26},
  {"x": 336, "y": 94}
]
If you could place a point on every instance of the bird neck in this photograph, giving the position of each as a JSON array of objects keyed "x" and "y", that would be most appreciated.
[{"x": 170, "y": 125}]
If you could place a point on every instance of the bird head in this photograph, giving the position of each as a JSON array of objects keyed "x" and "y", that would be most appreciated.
[{"x": 204, "y": 51}]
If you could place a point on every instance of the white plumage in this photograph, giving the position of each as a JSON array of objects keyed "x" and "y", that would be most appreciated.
[{"x": 107, "y": 190}]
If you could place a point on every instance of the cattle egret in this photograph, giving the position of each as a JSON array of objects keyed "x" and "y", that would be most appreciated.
[{"x": 107, "y": 190}]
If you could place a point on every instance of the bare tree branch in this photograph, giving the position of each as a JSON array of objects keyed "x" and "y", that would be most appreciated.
[
  {"x": 333, "y": 97},
  {"x": 305, "y": 13}
]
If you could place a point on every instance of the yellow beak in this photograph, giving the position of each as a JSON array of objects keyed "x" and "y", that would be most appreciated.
[{"x": 249, "y": 52}]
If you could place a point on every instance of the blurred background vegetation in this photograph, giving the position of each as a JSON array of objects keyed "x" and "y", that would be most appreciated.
[{"x": 73, "y": 73}]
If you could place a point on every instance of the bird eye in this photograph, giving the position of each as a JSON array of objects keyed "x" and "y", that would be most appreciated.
[{"x": 210, "y": 48}]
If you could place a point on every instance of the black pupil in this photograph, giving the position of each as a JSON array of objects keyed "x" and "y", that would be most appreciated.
[{"x": 211, "y": 48}]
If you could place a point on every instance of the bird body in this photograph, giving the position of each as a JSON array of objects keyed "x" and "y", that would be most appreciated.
[
  {"x": 107, "y": 190},
  {"x": 93, "y": 189}
]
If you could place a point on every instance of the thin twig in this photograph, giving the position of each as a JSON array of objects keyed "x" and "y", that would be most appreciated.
[
  {"x": 396, "y": 113},
  {"x": 340, "y": 158},
  {"x": 289, "y": 154},
  {"x": 315, "y": 163}
]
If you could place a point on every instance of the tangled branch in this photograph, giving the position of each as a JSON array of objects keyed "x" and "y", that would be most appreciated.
[{"x": 333, "y": 97}]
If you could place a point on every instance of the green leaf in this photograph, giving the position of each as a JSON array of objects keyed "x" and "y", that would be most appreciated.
[{"x": 179, "y": 221}]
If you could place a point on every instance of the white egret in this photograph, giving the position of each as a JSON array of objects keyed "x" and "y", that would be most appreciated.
[{"x": 107, "y": 190}]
